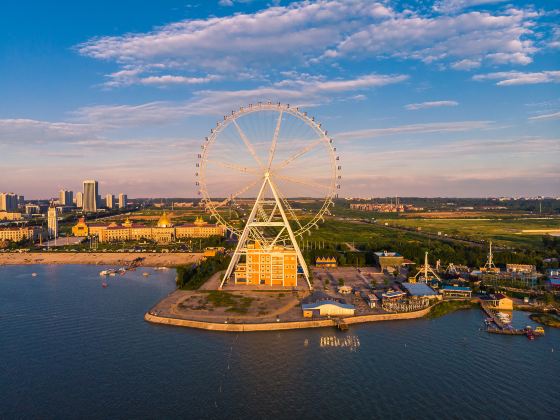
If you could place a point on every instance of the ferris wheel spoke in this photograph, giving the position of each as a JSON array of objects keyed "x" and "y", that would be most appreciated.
[
  {"x": 237, "y": 194},
  {"x": 303, "y": 182},
  {"x": 229, "y": 165},
  {"x": 300, "y": 153},
  {"x": 248, "y": 144},
  {"x": 274, "y": 141}
]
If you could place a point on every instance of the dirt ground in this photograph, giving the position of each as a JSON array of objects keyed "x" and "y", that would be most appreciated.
[
  {"x": 260, "y": 304},
  {"x": 101, "y": 258},
  {"x": 244, "y": 306}
]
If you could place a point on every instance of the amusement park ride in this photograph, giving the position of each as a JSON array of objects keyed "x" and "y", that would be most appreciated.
[{"x": 269, "y": 154}]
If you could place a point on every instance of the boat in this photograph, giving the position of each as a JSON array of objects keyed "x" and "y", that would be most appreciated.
[
  {"x": 530, "y": 334},
  {"x": 504, "y": 318},
  {"x": 104, "y": 284},
  {"x": 539, "y": 331},
  {"x": 33, "y": 274},
  {"x": 145, "y": 273}
]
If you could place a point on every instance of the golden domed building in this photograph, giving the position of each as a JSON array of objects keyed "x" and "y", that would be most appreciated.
[
  {"x": 163, "y": 232},
  {"x": 164, "y": 221},
  {"x": 80, "y": 228}
]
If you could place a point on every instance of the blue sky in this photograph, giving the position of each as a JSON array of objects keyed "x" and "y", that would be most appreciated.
[{"x": 423, "y": 98}]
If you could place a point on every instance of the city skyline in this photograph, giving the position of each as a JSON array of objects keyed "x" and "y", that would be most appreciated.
[{"x": 445, "y": 98}]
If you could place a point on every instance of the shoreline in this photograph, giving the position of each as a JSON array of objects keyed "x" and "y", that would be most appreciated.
[
  {"x": 171, "y": 259},
  {"x": 153, "y": 318}
]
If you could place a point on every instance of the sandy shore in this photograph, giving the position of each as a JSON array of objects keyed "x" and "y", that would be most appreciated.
[{"x": 101, "y": 258}]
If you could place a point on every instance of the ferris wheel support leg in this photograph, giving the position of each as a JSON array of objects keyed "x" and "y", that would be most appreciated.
[
  {"x": 300, "y": 258},
  {"x": 242, "y": 239},
  {"x": 233, "y": 262}
]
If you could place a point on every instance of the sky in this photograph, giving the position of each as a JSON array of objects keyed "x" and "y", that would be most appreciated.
[{"x": 422, "y": 98}]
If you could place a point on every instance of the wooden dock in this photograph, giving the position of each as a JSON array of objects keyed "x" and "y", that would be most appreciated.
[
  {"x": 341, "y": 325},
  {"x": 506, "y": 331},
  {"x": 490, "y": 313},
  {"x": 500, "y": 328}
]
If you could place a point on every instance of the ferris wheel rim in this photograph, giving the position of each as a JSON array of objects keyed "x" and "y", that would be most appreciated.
[{"x": 334, "y": 171}]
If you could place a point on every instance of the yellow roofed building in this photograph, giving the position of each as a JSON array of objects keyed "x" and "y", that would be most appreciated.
[{"x": 326, "y": 262}]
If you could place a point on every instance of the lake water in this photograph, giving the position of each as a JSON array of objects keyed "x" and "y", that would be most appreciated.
[{"x": 72, "y": 349}]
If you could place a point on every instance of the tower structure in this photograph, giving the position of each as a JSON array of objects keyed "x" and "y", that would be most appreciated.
[
  {"x": 489, "y": 266},
  {"x": 426, "y": 270},
  {"x": 80, "y": 199},
  {"x": 110, "y": 201},
  {"x": 52, "y": 222},
  {"x": 65, "y": 197},
  {"x": 123, "y": 200},
  {"x": 91, "y": 193},
  {"x": 8, "y": 202}
]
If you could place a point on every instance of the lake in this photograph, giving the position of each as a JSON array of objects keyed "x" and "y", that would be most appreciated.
[{"x": 70, "y": 348}]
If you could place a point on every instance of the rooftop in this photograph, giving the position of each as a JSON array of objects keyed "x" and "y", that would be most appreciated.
[
  {"x": 458, "y": 288},
  {"x": 393, "y": 293},
  {"x": 388, "y": 254},
  {"x": 317, "y": 305},
  {"x": 419, "y": 289}
]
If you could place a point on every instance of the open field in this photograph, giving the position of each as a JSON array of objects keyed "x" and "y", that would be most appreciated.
[{"x": 504, "y": 232}]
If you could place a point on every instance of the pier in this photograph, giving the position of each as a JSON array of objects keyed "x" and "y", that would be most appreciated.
[
  {"x": 492, "y": 314},
  {"x": 500, "y": 327}
]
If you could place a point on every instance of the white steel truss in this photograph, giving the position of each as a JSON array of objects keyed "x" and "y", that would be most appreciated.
[{"x": 255, "y": 224}]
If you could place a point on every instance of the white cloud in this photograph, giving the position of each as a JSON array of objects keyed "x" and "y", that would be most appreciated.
[
  {"x": 302, "y": 33},
  {"x": 431, "y": 104},
  {"x": 512, "y": 78},
  {"x": 239, "y": 41},
  {"x": 475, "y": 37},
  {"x": 25, "y": 131},
  {"x": 466, "y": 64},
  {"x": 450, "y": 6},
  {"x": 437, "y": 127},
  {"x": 553, "y": 116},
  {"x": 176, "y": 80},
  {"x": 301, "y": 90}
]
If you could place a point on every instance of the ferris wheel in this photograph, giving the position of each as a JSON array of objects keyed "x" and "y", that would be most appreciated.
[{"x": 268, "y": 172}]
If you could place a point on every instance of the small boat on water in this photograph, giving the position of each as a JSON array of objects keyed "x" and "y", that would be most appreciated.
[
  {"x": 145, "y": 273},
  {"x": 104, "y": 285},
  {"x": 33, "y": 274},
  {"x": 109, "y": 272},
  {"x": 539, "y": 331},
  {"x": 504, "y": 318}
]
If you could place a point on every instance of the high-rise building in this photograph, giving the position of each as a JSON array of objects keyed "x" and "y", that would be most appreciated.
[
  {"x": 21, "y": 200},
  {"x": 79, "y": 199},
  {"x": 65, "y": 198},
  {"x": 110, "y": 201},
  {"x": 90, "y": 195},
  {"x": 52, "y": 222},
  {"x": 122, "y": 200},
  {"x": 8, "y": 202}
]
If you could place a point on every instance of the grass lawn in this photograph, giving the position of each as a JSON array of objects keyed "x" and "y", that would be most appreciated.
[{"x": 504, "y": 232}]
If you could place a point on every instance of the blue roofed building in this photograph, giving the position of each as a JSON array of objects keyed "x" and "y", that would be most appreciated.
[{"x": 456, "y": 292}]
